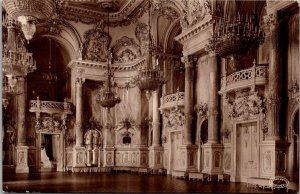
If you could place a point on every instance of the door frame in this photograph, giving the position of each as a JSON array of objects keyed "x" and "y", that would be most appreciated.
[
  {"x": 61, "y": 164},
  {"x": 235, "y": 178}
]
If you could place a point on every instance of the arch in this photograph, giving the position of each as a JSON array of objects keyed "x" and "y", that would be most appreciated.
[
  {"x": 204, "y": 131},
  {"x": 173, "y": 31}
]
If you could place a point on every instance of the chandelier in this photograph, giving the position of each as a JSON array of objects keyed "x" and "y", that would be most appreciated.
[
  {"x": 149, "y": 77},
  {"x": 233, "y": 36},
  {"x": 29, "y": 12},
  {"x": 107, "y": 98},
  {"x": 50, "y": 76}
]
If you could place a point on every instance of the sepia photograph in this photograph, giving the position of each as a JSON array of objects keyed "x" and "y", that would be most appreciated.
[{"x": 150, "y": 96}]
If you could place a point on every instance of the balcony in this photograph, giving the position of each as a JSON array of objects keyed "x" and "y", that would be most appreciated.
[
  {"x": 172, "y": 101},
  {"x": 247, "y": 78},
  {"x": 50, "y": 107}
]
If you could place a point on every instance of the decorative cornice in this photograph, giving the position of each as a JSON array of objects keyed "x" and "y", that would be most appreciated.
[{"x": 189, "y": 33}]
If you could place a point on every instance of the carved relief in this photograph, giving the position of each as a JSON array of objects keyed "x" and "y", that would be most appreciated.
[
  {"x": 174, "y": 119},
  {"x": 163, "y": 8},
  {"x": 267, "y": 161},
  {"x": 141, "y": 32},
  {"x": 246, "y": 105},
  {"x": 201, "y": 109},
  {"x": 227, "y": 161},
  {"x": 126, "y": 50},
  {"x": 95, "y": 44},
  {"x": 195, "y": 12},
  {"x": 50, "y": 124}
]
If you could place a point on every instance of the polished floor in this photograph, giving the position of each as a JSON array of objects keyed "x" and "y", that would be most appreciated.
[{"x": 52, "y": 182}]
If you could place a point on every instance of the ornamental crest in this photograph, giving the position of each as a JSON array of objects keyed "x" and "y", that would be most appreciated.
[
  {"x": 246, "y": 105},
  {"x": 174, "y": 119},
  {"x": 95, "y": 45},
  {"x": 50, "y": 124}
]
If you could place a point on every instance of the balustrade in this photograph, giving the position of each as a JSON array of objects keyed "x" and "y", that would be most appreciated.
[
  {"x": 256, "y": 75},
  {"x": 172, "y": 100},
  {"x": 50, "y": 107}
]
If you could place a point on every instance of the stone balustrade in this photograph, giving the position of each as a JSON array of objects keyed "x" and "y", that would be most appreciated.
[
  {"x": 256, "y": 75},
  {"x": 172, "y": 100},
  {"x": 50, "y": 107}
]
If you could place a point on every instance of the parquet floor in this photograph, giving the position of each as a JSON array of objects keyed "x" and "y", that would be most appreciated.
[{"x": 52, "y": 182}]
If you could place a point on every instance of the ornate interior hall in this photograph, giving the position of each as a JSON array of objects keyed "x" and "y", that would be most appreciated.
[{"x": 169, "y": 95}]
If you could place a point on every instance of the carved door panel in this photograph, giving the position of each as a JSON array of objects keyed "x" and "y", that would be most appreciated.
[
  {"x": 176, "y": 139},
  {"x": 247, "y": 150}
]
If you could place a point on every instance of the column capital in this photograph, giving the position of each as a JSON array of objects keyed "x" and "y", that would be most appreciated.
[
  {"x": 80, "y": 81},
  {"x": 271, "y": 21},
  {"x": 189, "y": 61},
  {"x": 212, "y": 53}
]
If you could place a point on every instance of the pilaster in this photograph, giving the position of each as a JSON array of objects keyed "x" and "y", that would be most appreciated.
[{"x": 156, "y": 157}]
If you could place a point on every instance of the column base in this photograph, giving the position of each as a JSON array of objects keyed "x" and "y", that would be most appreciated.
[
  {"x": 156, "y": 157},
  {"x": 22, "y": 159},
  {"x": 189, "y": 155},
  {"x": 274, "y": 158},
  {"x": 213, "y": 157},
  {"x": 109, "y": 156},
  {"x": 79, "y": 157}
]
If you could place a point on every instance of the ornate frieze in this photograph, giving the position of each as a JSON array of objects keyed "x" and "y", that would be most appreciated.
[
  {"x": 50, "y": 124},
  {"x": 95, "y": 44},
  {"x": 246, "y": 105}
]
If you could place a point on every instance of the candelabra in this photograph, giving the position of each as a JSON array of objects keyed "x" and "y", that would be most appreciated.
[{"x": 234, "y": 36}]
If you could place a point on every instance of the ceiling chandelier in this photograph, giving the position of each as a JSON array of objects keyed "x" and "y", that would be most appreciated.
[
  {"x": 50, "y": 76},
  {"x": 149, "y": 77},
  {"x": 107, "y": 98},
  {"x": 29, "y": 12},
  {"x": 234, "y": 36}
]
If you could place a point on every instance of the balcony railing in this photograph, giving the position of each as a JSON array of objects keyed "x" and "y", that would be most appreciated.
[
  {"x": 172, "y": 100},
  {"x": 50, "y": 107},
  {"x": 256, "y": 75}
]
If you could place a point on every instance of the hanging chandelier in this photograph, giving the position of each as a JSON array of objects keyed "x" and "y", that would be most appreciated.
[
  {"x": 149, "y": 77},
  {"x": 234, "y": 36},
  {"x": 50, "y": 76},
  {"x": 29, "y": 12},
  {"x": 107, "y": 98}
]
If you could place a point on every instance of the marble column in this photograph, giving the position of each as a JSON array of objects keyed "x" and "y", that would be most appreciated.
[
  {"x": 108, "y": 146},
  {"x": 213, "y": 100},
  {"x": 79, "y": 150},
  {"x": 212, "y": 149},
  {"x": 156, "y": 150},
  {"x": 21, "y": 148},
  {"x": 188, "y": 99},
  {"x": 273, "y": 97},
  {"x": 188, "y": 149}
]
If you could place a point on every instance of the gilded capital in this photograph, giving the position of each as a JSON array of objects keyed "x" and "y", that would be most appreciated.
[
  {"x": 188, "y": 61},
  {"x": 271, "y": 21}
]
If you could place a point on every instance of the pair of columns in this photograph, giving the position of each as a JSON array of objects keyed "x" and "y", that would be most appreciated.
[{"x": 212, "y": 104}]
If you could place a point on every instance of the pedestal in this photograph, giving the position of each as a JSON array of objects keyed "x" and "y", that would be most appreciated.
[
  {"x": 22, "y": 159},
  {"x": 273, "y": 158},
  {"x": 189, "y": 154},
  {"x": 213, "y": 157},
  {"x": 156, "y": 157},
  {"x": 79, "y": 157},
  {"x": 109, "y": 158}
]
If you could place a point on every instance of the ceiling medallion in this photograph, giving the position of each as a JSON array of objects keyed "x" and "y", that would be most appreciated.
[{"x": 29, "y": 12}]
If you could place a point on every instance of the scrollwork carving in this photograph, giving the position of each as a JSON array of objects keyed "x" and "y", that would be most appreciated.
[
  {"x": 245, "y": 105},
  {"x": 126, "y": 50},
  {"x": 95, "y": 44},
  {"x": 141, "y": 32},
  {"x": 175, "y": 118}
]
